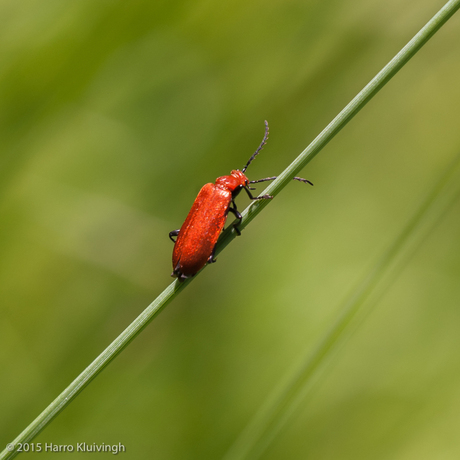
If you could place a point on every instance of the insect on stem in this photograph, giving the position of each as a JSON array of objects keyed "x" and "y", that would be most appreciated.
[{"x": 196, "y": 239}]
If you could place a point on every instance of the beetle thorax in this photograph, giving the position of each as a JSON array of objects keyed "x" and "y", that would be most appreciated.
[{"x": 235, "y": 180}]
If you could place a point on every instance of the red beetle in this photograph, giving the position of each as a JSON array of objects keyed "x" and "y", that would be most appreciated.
[{"x": 197, "y": 238}]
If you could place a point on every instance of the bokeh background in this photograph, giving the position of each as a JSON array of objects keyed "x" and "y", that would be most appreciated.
[{"x": 114, "y": 114}]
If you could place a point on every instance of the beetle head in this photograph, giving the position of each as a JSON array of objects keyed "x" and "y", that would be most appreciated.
[{"x": 234, "y": 182}]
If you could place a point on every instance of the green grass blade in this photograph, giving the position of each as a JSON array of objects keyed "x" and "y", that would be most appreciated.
[
  {"x": 171, "y": 291},
  {"x": 290, "y": 394},
  {"x": 96, "y": 366},
  {"x": 358, "y": 102}
]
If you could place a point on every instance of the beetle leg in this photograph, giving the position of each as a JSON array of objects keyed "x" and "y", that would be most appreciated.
[
  {"x": 211, "y": 259},
  {"x": 173, "y": 233},
  {"x": 237, "y": 215},
  {"x": 178, "y": 274},
  {"x": 263, "y": 197}
]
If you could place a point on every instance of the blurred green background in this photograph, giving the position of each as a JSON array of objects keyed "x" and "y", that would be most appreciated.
[{"x": 114, "y": 114}]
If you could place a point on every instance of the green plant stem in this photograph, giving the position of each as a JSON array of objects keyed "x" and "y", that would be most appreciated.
[
  {"x": 248, "y": 214},
  {"x": 96, "y": 366},
  {"x": 290, "y": 394},
  {"x": 358, "y": 102}
]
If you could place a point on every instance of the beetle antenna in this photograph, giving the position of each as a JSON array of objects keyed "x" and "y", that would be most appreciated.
[
  {"x": 274, "y": 177},
  {"x": 264, "y": 141},
  {"x": 263, "y": 180},
  {"x": 301, "y": 179}
]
